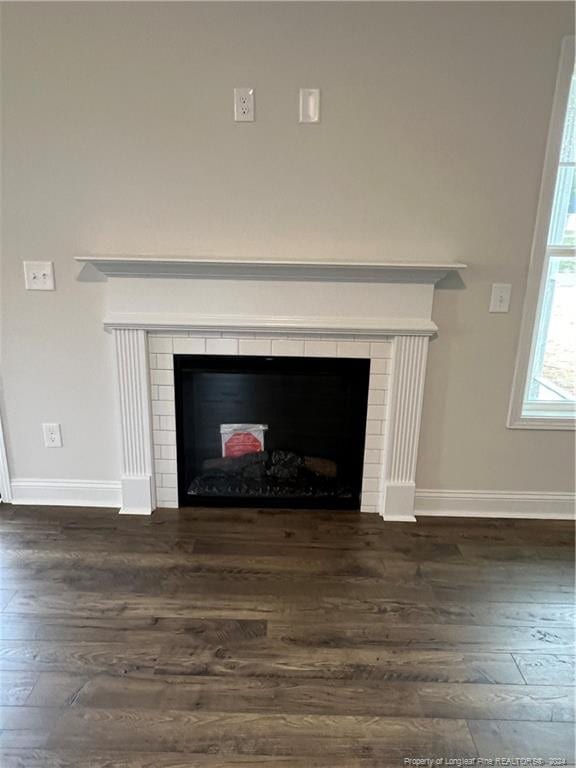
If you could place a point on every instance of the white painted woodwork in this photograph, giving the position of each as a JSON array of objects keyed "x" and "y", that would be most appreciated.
[
  {"x": 535, "y": 286},
  {"x": 167, "y": 267},
  {"x": 335, "y": 327},
  {"x": 403, "y": 428},
  {"x": 5, "y": 485},
  {"x": 296, "y": 308},
  {"x": 276, "y": 297},
  {"x": 138, "y": 496},
  {"x": 66, "y": 493},
  {"x": 545, "y": 505}
]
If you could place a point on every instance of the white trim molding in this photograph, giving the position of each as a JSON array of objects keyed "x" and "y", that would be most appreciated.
[
  {"x": 229, "y": 269},
  {"x": 404, "y": 415},
  {"x": 138, "y": 493},
  {"x": 538, "y": 258},
  {"x": 302, "y": 325},
  {"x": 5, "y": 483},
  {"x": 428, "y": 503},
  {"x": 69, "y": 493},
  {"x": 498, "y": 504}
]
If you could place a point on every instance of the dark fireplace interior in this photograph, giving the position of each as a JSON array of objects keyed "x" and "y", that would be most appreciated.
[{"x": 314, "y": 410}]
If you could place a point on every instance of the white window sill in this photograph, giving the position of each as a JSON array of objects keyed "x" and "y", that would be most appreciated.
[{"x": 541, "y": 422}]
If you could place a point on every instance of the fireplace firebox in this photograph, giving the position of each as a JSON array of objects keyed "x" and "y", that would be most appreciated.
[{"x": 308, "y": 417}]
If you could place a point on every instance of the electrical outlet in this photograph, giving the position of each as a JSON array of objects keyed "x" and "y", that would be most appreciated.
[
  {"x": 244, "y": 105},
  {"x": 52, "y": 435},
  {"x": 500, "y": 297},
  {"x": 39, "y": 275}
]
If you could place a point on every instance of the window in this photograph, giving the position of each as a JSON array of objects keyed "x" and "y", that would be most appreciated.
[{"x": 544, "y": 390}]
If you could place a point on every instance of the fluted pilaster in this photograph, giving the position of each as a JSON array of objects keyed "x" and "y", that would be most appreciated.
[
  {"x": 136, "y": 433},
  {"x": 404, "y": 415}
]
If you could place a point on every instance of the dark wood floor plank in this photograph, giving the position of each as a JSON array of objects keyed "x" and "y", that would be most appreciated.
[
  {"x": 43, "y": 758},
  {"x": 516, "y": 553},
  {"x": 117, "y": 629},
  {"x": 25, "y": 717},
  {"x": 56, "y": 689},
  {"x": 73, "y": 604},
  {"x": 15, "y": 687},
  {"x": 5, "y": 596},
  {"x": 475, "y": 572},
  {"x": 501, "y": 702},
  {"x": 289, "y": 592},
  {"x": 316, "y": 696},
  {"x": 254, "y": 658},
  {"x": 265, "y": 695},
  {"x": 260, "y": 734},
  {"x": 513, "y": 739},
  {"x": 228, "y": 544},
  {"x": 381, "y": 614},
  {"x": 547, "y": 669},
  {"x": 284, "y": 660},
  {"x": 428, "y": 637},
  {"x": 503, "y": 593},
  {"x": 87, "y": 658}
]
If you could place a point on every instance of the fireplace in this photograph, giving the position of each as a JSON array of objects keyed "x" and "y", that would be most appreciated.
[
  {"x": 160, "y": 307},
  {"x": 270, "y": 431}
]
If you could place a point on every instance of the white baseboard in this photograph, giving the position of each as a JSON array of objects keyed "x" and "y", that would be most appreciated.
[
  {"x": 429, "y": 503},
  {"x": 505, "y": 504},
  {"x": 69, "y": 493}
]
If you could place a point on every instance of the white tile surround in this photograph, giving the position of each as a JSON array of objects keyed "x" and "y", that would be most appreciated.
[{"x": 162, "y": 347}]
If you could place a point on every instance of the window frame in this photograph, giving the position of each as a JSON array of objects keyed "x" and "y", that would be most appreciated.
[{"x": 535, "y": 288}]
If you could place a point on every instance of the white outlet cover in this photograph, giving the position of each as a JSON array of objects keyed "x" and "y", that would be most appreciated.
[
  {"x": 39, "y": 275},
  {"x": 500, "y": 297},
  {"x": 52, "y": 435},
  {"x": 309, "y": 105},
  {"x": 244, "y": 105}
]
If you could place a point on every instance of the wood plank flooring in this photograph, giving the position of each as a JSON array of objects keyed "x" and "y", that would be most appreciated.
[{"x": 280, "y": 639}]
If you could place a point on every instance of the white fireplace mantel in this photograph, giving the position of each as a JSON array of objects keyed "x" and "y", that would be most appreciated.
[
  {"x": 159, "y": 306},
  {"x": 318, "y": 298},
  {"x": 198, "y": 268}
]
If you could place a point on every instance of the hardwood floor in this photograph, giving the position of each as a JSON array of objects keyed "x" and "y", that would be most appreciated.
[{"x": 278, "y": 639}]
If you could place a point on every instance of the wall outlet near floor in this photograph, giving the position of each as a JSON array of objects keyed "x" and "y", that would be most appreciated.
[
  {"x": 52, "y": 435},
  {"x": 39, "y": 275}
]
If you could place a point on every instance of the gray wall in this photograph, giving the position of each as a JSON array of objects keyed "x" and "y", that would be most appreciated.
[{"x": 118, "y": 137}]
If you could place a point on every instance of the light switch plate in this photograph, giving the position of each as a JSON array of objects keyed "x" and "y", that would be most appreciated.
[
  {"x": 309, "y": 105},
  {"x": 39, "y": 275},
  {"x": 500, "y": 297}
]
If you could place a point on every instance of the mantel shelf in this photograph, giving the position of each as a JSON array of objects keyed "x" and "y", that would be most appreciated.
[{"x": 166, "y": 267}]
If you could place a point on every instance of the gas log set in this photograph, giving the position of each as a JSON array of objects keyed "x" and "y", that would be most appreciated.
[{"x": 269, "y": 473}]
